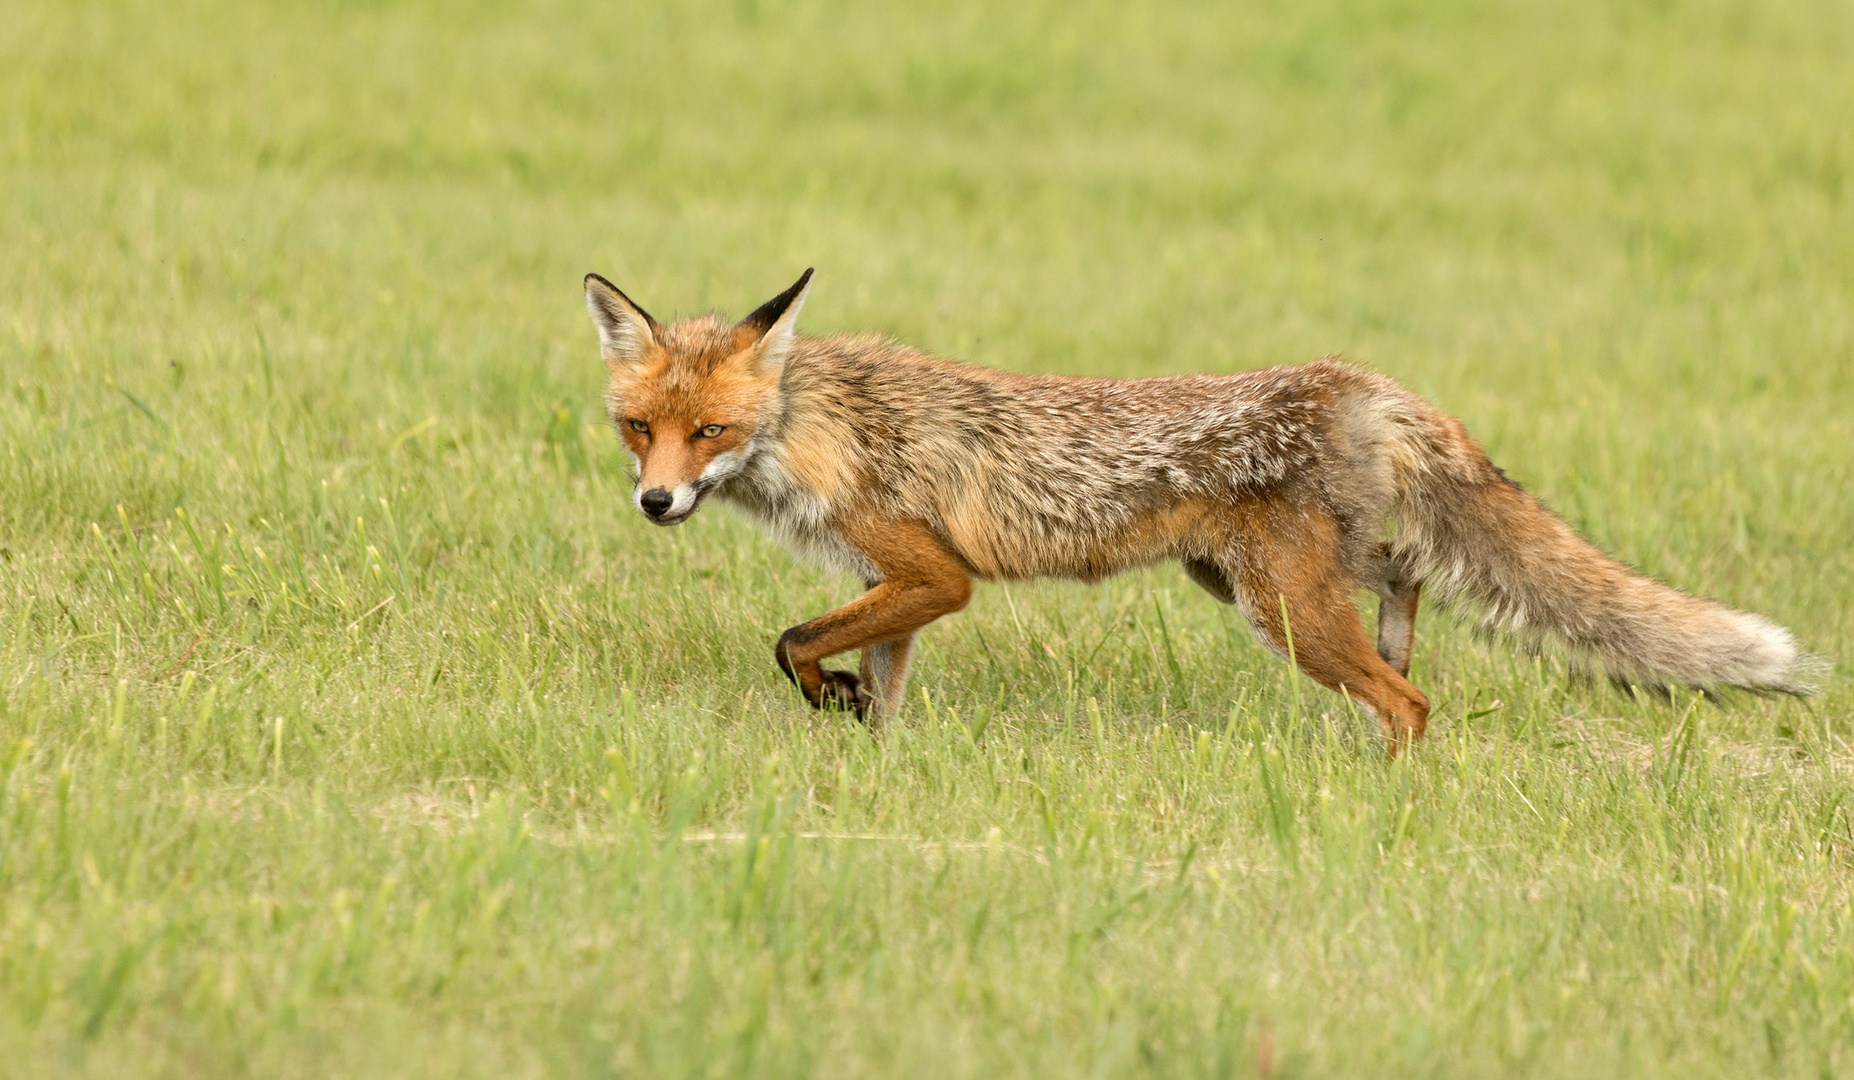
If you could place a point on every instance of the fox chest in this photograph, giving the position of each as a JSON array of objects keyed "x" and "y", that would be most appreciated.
[{"x": 796, "y": 517}]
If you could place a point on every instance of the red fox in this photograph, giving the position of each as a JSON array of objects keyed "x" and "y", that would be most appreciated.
[{"x": 1281, "y": 491}]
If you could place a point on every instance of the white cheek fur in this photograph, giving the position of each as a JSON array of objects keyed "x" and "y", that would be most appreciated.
[{"x": 723, "y": 466}]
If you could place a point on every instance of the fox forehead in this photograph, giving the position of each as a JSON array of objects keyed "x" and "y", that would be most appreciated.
[{"x": 698, "y": 372}]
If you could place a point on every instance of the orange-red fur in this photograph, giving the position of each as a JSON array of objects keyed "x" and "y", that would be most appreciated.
[{"x": 1282, "y": 491}]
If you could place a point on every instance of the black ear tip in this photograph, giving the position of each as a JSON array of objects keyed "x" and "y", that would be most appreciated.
[{"x": 614, "y": 291}]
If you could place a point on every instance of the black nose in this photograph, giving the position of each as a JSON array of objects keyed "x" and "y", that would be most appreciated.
[{"x": 655, "y": 502}]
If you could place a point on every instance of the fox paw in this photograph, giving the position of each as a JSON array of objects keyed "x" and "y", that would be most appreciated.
[{"x": 843, "y": 690}]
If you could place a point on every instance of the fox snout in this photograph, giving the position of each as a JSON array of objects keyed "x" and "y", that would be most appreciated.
[
  {"x": 655, "y": 502},
  {"x": 667, "y": 506}
]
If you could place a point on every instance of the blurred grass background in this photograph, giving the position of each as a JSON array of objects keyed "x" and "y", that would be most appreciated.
[{"x": 351, "y": 723}]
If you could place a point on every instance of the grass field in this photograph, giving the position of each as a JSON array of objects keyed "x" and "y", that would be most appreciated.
[{"x": 353, "y": 724}]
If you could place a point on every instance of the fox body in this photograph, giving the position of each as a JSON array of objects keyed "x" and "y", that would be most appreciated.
[{"x": 1280, "y": 491}]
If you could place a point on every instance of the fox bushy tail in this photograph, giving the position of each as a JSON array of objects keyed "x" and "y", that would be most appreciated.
[{"x": 1474, "y": 538}]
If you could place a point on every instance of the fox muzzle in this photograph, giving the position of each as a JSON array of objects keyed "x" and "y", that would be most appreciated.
[{"x": 669, "y": 506}]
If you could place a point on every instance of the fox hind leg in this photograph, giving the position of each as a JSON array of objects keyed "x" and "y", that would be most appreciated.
[
  {"x": 1211, "y": 578},
  {"x": 1302, "y": 580},
  {"x": 1397, "y": 595}
]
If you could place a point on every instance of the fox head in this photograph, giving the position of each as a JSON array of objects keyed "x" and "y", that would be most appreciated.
[{"x": 689, "y": 397}]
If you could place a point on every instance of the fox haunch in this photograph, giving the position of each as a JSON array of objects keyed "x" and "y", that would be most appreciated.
[{"x": 1280, "y": 491}]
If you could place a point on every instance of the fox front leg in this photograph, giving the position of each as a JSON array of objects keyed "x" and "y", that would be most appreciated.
[
  {"x": 921, "y": 581},
  {"x": 824, "y": 688},
  {"x": 885, "y": 674},
  {"x": 882, "y": 623}
]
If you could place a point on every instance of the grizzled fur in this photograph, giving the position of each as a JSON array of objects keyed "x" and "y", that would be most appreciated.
[{"x": 1282, "y": 491}]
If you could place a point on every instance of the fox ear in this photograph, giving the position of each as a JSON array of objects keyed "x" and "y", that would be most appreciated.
[
  {"x": 627, "y": 333},
  {"x": 769, "y": 330}
]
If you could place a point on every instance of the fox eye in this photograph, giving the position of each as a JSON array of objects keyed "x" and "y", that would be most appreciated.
[
  {"x": 711, "y": 431},
  {"x": 639, "y": 426}
]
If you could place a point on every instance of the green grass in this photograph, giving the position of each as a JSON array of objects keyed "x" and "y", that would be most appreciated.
[{"x": 352, "y": 724}]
